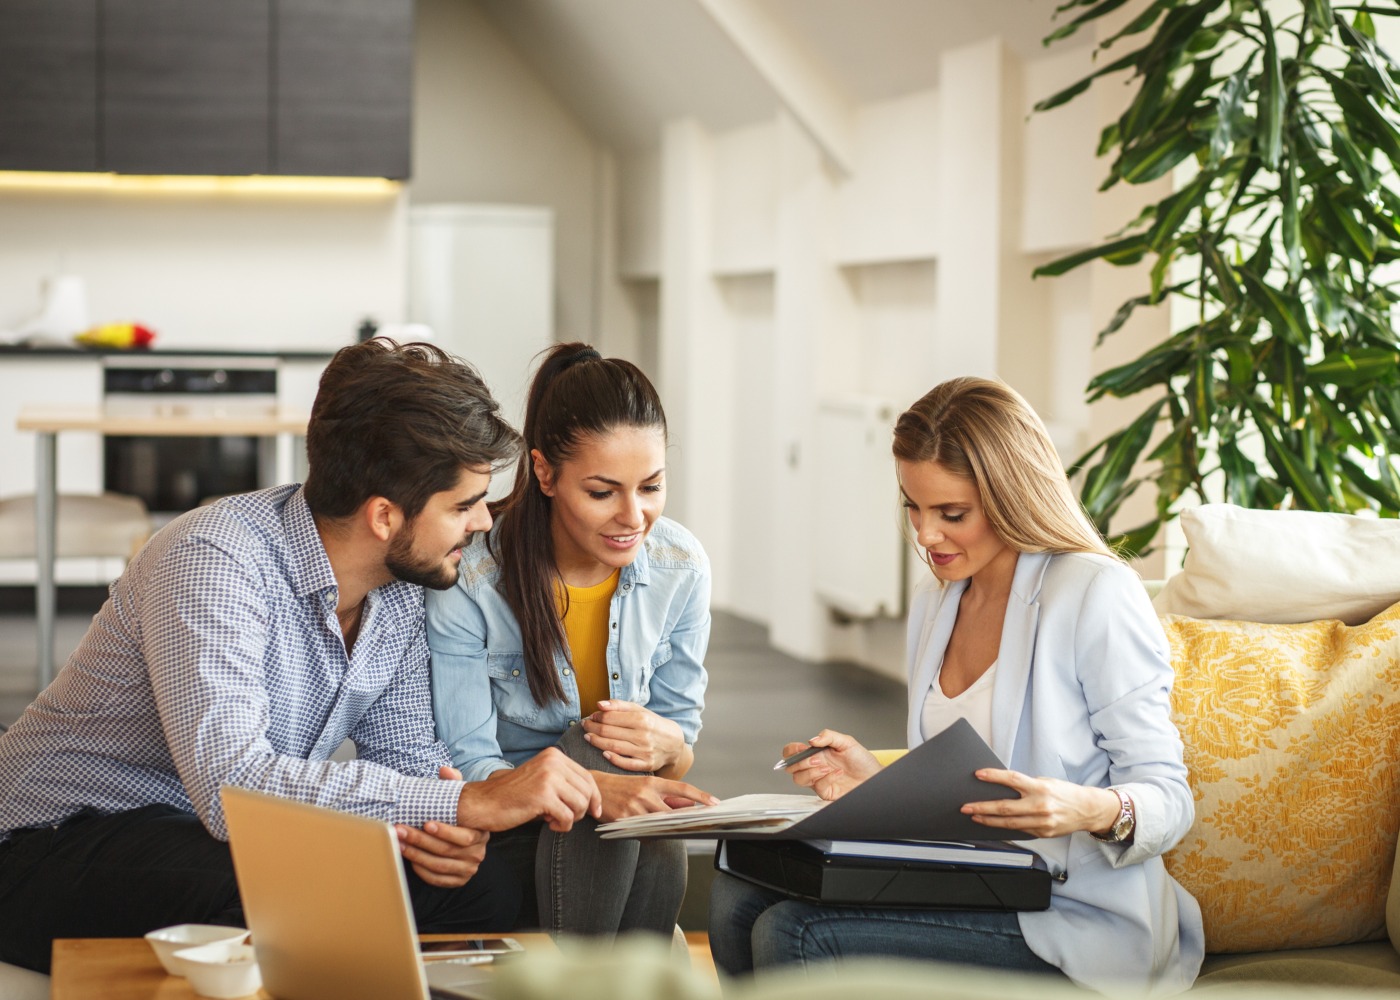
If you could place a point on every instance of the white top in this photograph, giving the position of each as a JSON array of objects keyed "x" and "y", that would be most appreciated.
[{"x": 974, "y": 705}]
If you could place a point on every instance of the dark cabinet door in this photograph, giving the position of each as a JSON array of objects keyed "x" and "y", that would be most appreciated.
[
  {"x": 185, "y": 86},
  {"x": 48, "y": 84},
  {"x": 344, "y": 82}
]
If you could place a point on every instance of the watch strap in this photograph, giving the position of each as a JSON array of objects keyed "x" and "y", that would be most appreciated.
[{"x": 1122, "y": 827}]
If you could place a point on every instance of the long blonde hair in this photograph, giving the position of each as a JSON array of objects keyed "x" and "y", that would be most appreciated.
[{"x": 982, "y": 430}]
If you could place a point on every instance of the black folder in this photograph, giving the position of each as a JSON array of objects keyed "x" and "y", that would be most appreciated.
[{"x": 803, "y": 872}]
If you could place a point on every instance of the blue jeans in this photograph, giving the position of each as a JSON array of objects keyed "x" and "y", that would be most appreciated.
[{"x": 752, "y": 927}]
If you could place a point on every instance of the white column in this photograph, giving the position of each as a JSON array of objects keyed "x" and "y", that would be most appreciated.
[
  {"x": 814, "y": 339},
  {"x": 695, "y": 347},
  {"x": 972, "y": 99}
]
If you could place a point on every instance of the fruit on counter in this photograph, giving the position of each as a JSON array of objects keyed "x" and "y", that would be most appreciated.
[{"x": 117, "y": 335}]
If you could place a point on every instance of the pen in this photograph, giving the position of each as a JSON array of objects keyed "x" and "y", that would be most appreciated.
[{"x": 787, "y": 762}]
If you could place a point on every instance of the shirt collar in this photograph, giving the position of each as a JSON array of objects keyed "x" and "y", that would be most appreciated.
[
  {"x": 638, "y": 571},
  {"x": 311, "y": 567}
]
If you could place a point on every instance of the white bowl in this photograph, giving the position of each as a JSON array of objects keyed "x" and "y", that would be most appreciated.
[
  {"x": 222, "y": 970},
  {"x": 166, "y": 941}
]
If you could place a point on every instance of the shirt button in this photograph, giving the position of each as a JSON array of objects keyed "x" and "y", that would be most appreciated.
[
  {"x": 566, "y": 671},
  {"x": 515, "y": 673},
  {"x": 573, "y": 722},
  {"x": 616, "y": 676},
  {"x": 614, "y": 625},
  {"x": 626, "y": 587}
]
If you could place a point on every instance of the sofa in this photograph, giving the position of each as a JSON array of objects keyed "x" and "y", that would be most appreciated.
[{"x": 1285, "y": 635}]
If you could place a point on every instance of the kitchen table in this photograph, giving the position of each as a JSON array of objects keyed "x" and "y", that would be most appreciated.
[{"x": 47, "y": 422}]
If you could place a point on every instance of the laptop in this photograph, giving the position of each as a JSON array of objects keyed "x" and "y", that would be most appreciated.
[{"x": 325, "y": 896}]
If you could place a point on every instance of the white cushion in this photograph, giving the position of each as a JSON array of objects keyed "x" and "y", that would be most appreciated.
[{"x": 1283, "y": 566}]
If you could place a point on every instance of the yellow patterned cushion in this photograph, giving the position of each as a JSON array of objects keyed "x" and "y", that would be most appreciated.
[{"x": 1291, "y": 735}]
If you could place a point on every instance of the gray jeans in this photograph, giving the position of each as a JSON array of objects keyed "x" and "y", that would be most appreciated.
[{"x": 585, "y": 885}]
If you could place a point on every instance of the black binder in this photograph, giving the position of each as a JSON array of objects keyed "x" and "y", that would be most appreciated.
[{"x": 803, "y": 872}]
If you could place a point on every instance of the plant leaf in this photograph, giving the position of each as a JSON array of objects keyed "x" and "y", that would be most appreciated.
[
  {"x": 1309, "y": 490},
  {"x": 1356, "y": 367},
  {"x": 1280, "y": 311},
  {"x": 1064, "y": 31},
  {"x": 1103, "y": 482},
  {"x": 1271, "y": 94},
  {"x": 1229, "y": 113},
  {"x": 1128, "y": 250},
  {"x": 1147, "y": 161}
]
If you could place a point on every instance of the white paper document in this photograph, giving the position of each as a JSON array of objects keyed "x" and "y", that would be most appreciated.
[
  {"x": 918, "y": 797},
  {"x": 741, "y": 814}
]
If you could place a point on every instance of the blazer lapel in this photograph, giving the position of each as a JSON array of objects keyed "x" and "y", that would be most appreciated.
[
  {"x": 1017, "y": 651},
  {"x": 929, "y": 654}
]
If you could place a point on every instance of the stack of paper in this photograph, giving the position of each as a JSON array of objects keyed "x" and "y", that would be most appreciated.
[
  {"x": 742, "y": 814},
  {"x": 954, "y": 852}
]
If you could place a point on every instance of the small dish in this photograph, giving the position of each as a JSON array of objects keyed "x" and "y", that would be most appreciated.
[
  {"x": 222, "y": 970},
  {"x": 166, "y": 941}
]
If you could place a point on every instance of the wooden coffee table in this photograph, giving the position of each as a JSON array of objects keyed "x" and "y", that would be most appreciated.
[{"x": 127, "y": 969}]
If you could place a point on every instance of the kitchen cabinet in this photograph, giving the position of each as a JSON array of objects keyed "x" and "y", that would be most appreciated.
[
  {"x": 344, "y": 71},
  {"x": 186, "y": 86},
  {"x": 48, "y": 85},
  {"x": 301, "y": 87}
]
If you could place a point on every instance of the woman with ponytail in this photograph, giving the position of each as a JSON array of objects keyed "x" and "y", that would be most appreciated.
[{"x": 581, "y": 621}]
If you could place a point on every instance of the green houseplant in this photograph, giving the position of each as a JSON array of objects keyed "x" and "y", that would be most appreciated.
[{"x": 1284, "y": 389}]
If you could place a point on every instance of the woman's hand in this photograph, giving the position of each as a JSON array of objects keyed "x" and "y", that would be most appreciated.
[
  {"x": 1048, "y": 807},
  {"x": 632, "y": 795},
  {"x": 634, "y": 738},
  {"x": 841, "y": 766}
]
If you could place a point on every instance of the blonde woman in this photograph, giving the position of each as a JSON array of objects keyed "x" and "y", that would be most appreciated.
[{"x": 1038, "y": 635}]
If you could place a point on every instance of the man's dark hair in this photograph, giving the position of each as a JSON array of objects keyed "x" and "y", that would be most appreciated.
[{"x": 399, "y": 422}]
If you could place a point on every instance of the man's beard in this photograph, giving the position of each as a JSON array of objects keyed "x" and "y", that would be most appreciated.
[{"x": 425, "y": 571}]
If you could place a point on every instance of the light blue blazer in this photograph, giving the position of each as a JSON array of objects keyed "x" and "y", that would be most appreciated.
[{"x": 1081, "y": 693}]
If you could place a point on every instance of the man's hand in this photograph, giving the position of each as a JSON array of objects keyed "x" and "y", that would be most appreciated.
[
  {"x": 633, "y": 737},
  {"x": 442, "y": 854},
  {"x": 633, "y": 795},
  {"x": 548, "y": 786},
  {"x": 841, "y": 766}
]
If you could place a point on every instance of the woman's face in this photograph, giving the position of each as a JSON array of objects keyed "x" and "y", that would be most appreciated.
[
  {"x": 949, "y": 522},
  {"x": 606, "y": 498}
]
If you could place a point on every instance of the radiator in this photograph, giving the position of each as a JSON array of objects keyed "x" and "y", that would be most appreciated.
[{"x": 860, "y": 573}]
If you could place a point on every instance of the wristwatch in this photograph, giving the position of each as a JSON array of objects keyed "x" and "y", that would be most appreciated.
[{"x": 1122, "y": 828}]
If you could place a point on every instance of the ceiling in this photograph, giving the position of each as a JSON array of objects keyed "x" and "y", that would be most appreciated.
[{"x": 625, "y": 67}]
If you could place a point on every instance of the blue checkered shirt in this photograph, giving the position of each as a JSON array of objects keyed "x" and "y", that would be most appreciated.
[{"x": 218, "y": 659}]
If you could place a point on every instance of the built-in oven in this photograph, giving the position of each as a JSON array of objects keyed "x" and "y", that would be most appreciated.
[{"x": 175, "y": 474}]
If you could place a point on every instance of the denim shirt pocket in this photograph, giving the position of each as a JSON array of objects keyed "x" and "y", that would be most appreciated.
[{"x": 510, "y": 688}]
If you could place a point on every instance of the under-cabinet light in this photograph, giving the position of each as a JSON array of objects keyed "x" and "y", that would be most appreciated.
[{"x": 13, "y": 180}]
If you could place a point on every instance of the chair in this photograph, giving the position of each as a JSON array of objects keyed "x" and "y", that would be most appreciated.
[{"x": 97, "y": 534}]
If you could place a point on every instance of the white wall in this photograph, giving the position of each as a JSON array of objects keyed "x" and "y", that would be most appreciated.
[
  {"x": 233, "y": 270},
  {"x": 487, "y": 130},
  {"x": 782, "y": 284}
]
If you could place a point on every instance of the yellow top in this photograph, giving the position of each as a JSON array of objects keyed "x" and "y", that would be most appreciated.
[{"x": 586, "y": 628}]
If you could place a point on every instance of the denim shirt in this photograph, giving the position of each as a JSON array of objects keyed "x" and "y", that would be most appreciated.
[{"x": 658, "y": 629}]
